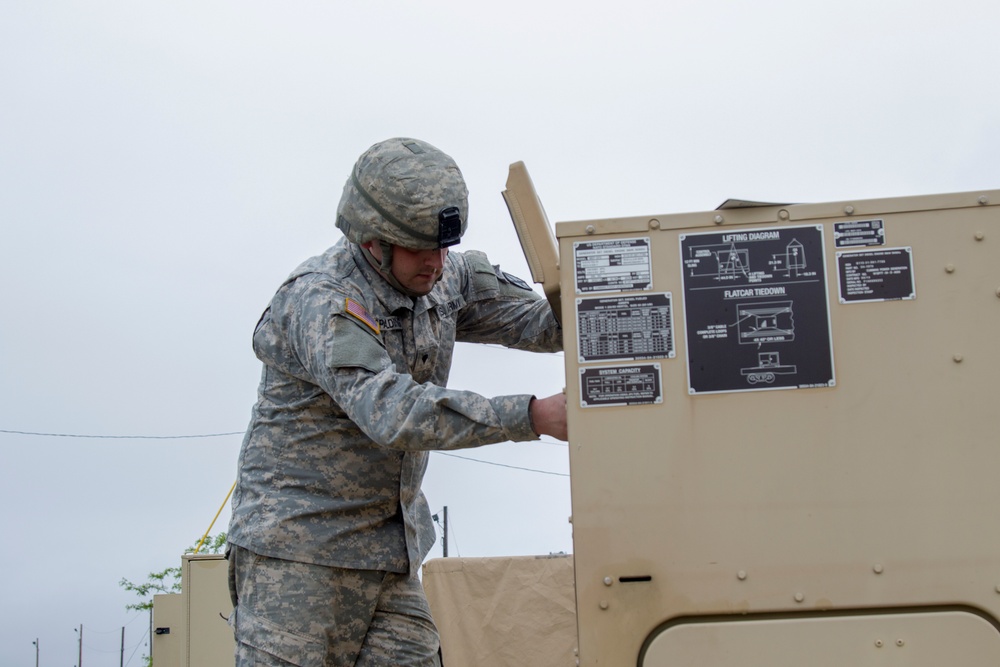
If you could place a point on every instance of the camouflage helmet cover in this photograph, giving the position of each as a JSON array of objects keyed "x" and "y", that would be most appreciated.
[{"x": 407, "y": 193}]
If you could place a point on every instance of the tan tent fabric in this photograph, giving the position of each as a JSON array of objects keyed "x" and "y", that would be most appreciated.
[{"x": 504, "y": 612}]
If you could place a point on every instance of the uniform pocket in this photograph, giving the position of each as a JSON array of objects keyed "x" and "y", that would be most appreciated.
[{"x": 268, "y": 637}]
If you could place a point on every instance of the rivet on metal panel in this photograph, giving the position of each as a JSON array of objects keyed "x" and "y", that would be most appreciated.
[
  {"x": 654, "y": 224},
  {"x": 878, "y": 643},
  {"x": 997, "y": 589},
  {"x": 783, "y": 214},
  {"x": 984, "y": 200},
  {"x": 849, "y": 210},
  {"x": 998, "y": 291},
  {"x": 603, "y": 604},
  {"x": 741, "y": 575},
  {"x": 899, "y": 642},
  {"x": 608, "y": 581},
  {"x": 799, "y": 597},
  {"x": 957, "y": 358},
  {"x": 980, "y": 236},
  {"x": 949, "y": 268},
  {"x": 719, "y": 220},
  {"x": 590, "y": 229},
  {"x": 878, "y": 568}
]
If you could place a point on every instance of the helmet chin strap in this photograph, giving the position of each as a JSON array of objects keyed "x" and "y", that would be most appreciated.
[{"x": 384, "y": 268}]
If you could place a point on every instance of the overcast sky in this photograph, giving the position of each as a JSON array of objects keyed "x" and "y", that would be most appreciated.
[{"x": 163, "y": 166}]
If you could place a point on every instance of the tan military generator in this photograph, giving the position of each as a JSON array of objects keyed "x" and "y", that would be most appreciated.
[{"x": 783, "y": 444}]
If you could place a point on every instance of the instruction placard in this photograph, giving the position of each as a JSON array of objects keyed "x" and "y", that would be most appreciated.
[
  {"x": 638, "y": 384},
  {"x": 621, "y": 265},
  {"x": 876, "y": 275},
  {"x": 625, "y": 327},
  {"x": 756, "y": 310}
]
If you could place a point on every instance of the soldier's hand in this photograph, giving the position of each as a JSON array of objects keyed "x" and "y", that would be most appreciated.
[{"x": 548, "y": 416}]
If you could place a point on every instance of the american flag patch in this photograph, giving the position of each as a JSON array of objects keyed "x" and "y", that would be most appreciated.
[{"x": 357, "y": 310}]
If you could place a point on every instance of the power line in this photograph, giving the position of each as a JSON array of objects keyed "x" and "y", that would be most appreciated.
[
  {"x": 136, "y": 648},
  {"x": 172, "y": 437},
  {"x": 124, "y": 437},
  {"x": 218, "y": 435},
  {"x": 502, "y": 465},
  {"x": 138, "y": 615}
]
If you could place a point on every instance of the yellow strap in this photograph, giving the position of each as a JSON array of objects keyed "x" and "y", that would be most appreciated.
[{"x": 205, "y": 536}]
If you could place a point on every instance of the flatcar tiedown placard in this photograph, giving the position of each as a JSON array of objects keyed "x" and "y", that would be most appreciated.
[{"x": 756, "y": 310}]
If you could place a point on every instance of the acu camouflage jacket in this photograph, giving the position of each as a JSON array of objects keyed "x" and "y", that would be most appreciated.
[{"x": 353, "y": 396}]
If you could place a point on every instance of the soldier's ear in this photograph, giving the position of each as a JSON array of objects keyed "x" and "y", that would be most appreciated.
[{"x": 374, "y": 248}]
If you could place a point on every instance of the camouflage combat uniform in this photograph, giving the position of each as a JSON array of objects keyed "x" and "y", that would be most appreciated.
[{"x": 353, "y": 396}]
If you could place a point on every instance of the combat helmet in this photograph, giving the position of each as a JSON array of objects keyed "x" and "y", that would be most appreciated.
[{"x": 404, "y": 192}]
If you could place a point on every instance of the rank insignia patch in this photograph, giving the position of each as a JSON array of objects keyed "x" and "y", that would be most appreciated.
[{"x": 357, "y": 310}]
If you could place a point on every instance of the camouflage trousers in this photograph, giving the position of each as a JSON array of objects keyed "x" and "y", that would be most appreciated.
[{"x": 289, "y": 613}]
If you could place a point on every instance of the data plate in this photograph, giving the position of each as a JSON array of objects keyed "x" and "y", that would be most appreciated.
[
  {"x": 876, "y": 275},
  {"x": 857, "y": 233},
  {"x": 622, "y": 265},
  {"x": 625, "y": 327},
  {"x": 639, "y": 384}
]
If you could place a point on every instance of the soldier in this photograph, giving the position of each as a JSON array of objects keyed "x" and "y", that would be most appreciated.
[{"x": 329, "y": 524}]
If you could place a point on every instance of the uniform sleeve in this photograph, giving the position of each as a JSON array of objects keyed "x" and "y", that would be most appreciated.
[
  {"x": 396, "y": 412},
  {"x": 502, "y": 309},
  {"x": 345, "y": 357}
]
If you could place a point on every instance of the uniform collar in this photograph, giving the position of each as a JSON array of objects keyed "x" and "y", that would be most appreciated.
[{"x": 391, "y": 298}]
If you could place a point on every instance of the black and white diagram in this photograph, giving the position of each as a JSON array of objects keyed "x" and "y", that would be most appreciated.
[
  {"x": 732, "y": 262},
  {"x": 765, "y": 322},
  {"x": 769, "y": 366},
  {"x": 756, "y": 310}
]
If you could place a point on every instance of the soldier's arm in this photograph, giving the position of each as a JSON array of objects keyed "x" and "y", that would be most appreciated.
[
  {"x": 503, "y": 309},
  {"x": 345, "y": 357}
]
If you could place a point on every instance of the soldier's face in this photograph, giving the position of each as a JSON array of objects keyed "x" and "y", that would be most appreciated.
[{"x": 416, "y": 270}]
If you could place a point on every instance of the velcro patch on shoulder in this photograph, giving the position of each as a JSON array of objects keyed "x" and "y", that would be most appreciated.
[
  {"x": 484, "y": 279},
  {"x": 352, "y": 307},
  {"x": 509, "y": 278}
]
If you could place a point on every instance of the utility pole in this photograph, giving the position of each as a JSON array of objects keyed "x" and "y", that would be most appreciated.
[
  {"x": 445, "y": 531},
  {"x": 121, "y": 662},
  {"x": 150, "y": 633},
  {"x": 79, "y": 662},
  {"x": 36, "y": 651}
]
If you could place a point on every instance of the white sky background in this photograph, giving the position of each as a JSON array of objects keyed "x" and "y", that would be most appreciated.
[{"x": 163, "y": 166}]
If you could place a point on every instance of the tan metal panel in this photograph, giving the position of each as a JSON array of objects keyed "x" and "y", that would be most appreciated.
[
  {"x": 875, "y": 490},
  {"x": 169, "y": 631},
  {"x": 890, "y": 640},
  {"x": 777, "y": 213},
  {"x": 503, "y": 612},
  {"x": 204, "y": 581}
]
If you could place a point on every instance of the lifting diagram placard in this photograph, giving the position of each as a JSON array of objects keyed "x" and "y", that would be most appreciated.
[
  {"x": 756, "y": 310},
  {"x": 625, "y": 327}
]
